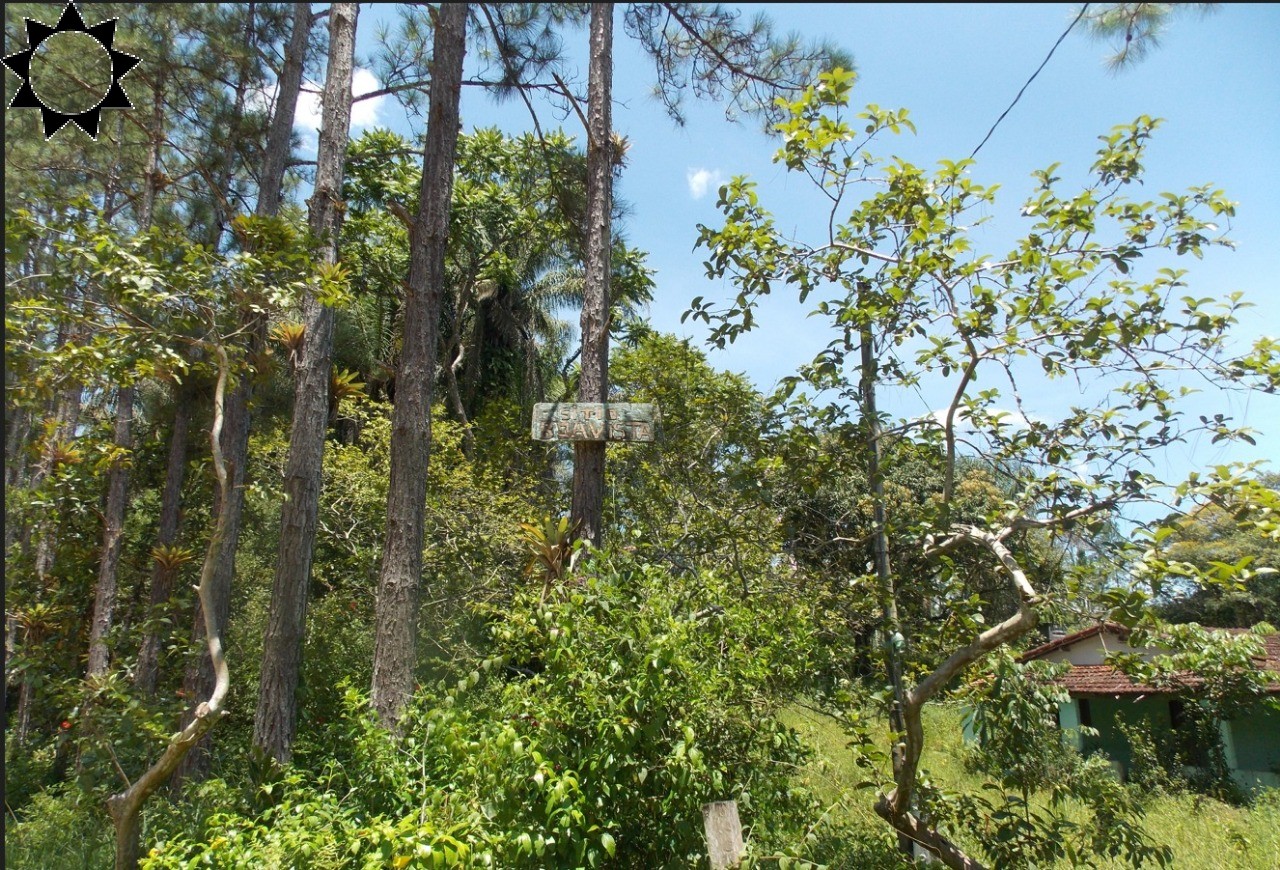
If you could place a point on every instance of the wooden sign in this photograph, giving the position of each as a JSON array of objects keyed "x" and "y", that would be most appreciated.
[{"x": 594, "y": 421}]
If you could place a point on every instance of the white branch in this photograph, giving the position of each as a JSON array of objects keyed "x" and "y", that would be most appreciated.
[{"x": 896, "y": 806}]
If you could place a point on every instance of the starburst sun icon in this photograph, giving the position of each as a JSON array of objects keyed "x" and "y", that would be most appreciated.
[{"x": 56, "y": 117}]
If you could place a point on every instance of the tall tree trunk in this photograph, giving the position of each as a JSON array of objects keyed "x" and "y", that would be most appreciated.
[
  {"x": 163, "y": 571},
  {"x": 17, "y": 420},
  {"x": 275, "y": 721},
  {"x": 200, "y": 677},
  {"x": 593, "y": 386},
  {"x": 891, "y": 629},
  {"x": 280, "y": 134},
  {"x": 16, "y": 441},
  {"x": 394, "y": 648},
  {"x": 104, "y": 602},
  {"x": 66, "y": 415}
]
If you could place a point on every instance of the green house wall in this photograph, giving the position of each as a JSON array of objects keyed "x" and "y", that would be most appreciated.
[
  {"x": 1105, "y": 714},
  {"x": 1251, "y": 741},
  {"x": 1256, "y": 740}
]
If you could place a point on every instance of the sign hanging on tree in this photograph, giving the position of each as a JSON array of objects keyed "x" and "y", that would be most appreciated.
[{"x": 594, "y": 421}]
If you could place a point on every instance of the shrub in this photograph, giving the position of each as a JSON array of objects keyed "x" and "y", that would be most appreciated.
[
  {"x": 60, "y": 827},
  {"x": 1022, "y": 818},
  {"x": 603, "y": 717},
  {"x": 1193, "y": 759}
]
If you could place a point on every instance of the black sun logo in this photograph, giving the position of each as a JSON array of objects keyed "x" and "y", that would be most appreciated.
[{"x": 55, "y": 118}]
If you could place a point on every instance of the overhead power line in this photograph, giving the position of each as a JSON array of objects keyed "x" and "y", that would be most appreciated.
[{"x": 1070, "y": 27}]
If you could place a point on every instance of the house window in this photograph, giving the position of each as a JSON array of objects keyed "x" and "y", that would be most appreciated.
[
  {"x": 1177, "y": 714},
  {"x": 1086, "y": 714}
]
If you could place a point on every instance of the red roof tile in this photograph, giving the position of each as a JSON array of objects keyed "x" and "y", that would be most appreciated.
[
  {"x": 1106, "y": 680},
  {"x": 1102, "y": 680}
]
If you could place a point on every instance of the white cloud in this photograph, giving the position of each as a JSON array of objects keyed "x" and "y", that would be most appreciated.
[
  {"x": 1012, "y": 419},
  {"x": 308, "y": 115},
  {"x": 366, "y": 113},
  {"x": 701, "y": 180}
]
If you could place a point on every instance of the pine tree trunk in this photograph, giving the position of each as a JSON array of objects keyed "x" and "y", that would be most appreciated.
[
  {"x": 63, "y": 416},
  {"x": 16, "y": 441},
  {"x": 17, "y": 434},
  {"x": 275, "y": 721},
  {"x": 104, "y": 602},
  {"x": 280, "y": 134},
  {"x": 394, "y": 648},
  {"x": 147, "y": 672},
  {"x": 593, "y": 386},
  {"x": 26, "y": 694}
]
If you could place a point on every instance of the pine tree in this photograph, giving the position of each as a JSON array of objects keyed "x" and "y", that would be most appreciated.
[
  {"x": 275, "y": 721},
  {"x": 394, "y": 647}
]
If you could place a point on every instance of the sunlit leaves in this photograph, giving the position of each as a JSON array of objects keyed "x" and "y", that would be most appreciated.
[{"x": 1066, "y": 300}]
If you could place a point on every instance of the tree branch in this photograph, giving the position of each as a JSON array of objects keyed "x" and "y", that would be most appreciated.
[
  {"x": 125, "y": 806},
  {"x": 895, "y": 807}
]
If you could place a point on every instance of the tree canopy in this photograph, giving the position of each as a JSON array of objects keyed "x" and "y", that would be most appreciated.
[{"x": 288, "y": 582}]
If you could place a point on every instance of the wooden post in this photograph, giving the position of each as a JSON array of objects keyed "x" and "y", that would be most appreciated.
[{"x": 724, "y": 834}]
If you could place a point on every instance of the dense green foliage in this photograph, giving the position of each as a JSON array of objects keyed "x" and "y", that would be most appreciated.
[
  {"x": 601, "y": 720},
  {"x": 1021, "y": 749},
  {"x": 764, "y": 555},
  {"x": 1244, "y": 559}
]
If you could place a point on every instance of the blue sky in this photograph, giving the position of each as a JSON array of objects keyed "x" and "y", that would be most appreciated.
[{"x": 1214, "y": 80}]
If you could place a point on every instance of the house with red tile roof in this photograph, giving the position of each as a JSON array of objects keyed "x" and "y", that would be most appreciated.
[{"x": 1101, "y": 695}]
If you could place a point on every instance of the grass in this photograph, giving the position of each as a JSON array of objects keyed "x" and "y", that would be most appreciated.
[
  {"x": 64, "y": 829},
  {"x": 1203, "y": 833}
]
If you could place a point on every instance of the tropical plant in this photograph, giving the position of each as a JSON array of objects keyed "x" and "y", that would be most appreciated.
[{"x": 899, "y": 278}]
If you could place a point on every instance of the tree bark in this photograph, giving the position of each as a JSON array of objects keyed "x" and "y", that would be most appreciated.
[
  {"x": 104, "y": 603},
  {"x": 163, "y": 573},
  {"x": 26, "y": 690},
  {"x": 891, "y": 630},
  {"x": 593, "y": 386},
  {"x": 66, "y": 415},
  {"x": 275, "y": 720},
  {"x": 214, "y": 608},
  {"x": 200, "y": 676},
  {"x": 895, "y": 807},
  {"x": 394, "y": 644},
  {"x": 17, "y": 434},
  {"x": 280, "y": 134}
]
